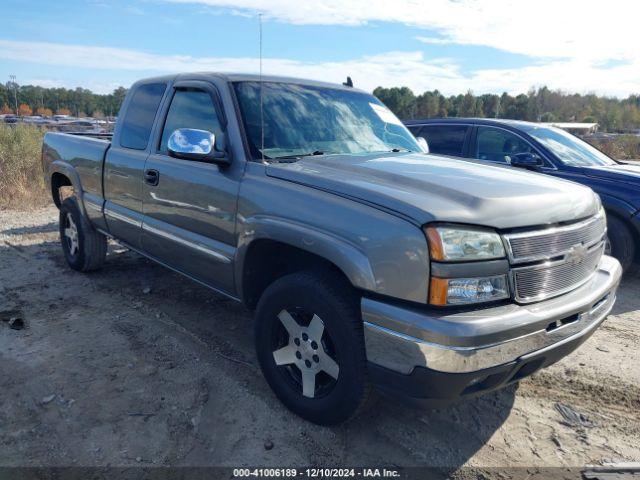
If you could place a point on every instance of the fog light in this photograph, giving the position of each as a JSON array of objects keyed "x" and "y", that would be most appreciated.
[{"x": 460, "y": 291}]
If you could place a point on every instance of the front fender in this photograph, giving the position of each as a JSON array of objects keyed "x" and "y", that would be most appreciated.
[
  {"x": 619, "y": 207},
  {"x": 378, "y": 251},
  {"x": 346, "y": 256}
]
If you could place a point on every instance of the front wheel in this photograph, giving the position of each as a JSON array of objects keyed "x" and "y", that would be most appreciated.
[
  {"x": 310, "y": 346},
  {"x": 620, "y": 243}
]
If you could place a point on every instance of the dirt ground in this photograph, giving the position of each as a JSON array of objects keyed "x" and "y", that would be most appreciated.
[{"x": 135, "y": 365}]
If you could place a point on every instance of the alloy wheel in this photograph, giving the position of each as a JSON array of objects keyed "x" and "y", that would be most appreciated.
[
  {"x": 71, "y": 235},
  {"x": 306, "y": 352}
]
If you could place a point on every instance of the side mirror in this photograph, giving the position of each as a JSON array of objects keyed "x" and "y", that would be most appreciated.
[
  {"x": 193, "y": 144},
  {"x": 526, "y": 160},
  {"x": 423, "y": 143}
]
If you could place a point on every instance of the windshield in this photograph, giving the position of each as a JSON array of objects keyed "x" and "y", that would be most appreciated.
[
  {"x": 308, "y": 120},
  {"x": 568, "y": 148}
]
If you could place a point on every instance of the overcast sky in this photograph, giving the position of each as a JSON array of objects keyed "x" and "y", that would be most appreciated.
[{"x": 452, "y": 45}]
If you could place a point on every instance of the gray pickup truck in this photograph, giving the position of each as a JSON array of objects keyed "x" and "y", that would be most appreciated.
[{"x": 367, "y": 262}]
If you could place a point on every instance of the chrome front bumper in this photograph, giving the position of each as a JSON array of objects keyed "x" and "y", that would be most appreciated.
[{"x": 400, "y": 339}]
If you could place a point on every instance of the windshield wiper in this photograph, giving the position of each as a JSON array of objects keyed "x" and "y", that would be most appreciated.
[
  {"x": 297, "y": 156},
  {"x": 400, "y": 150}
]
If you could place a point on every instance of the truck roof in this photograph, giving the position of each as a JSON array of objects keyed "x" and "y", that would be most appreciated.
[{"x": 244, "y": 77}]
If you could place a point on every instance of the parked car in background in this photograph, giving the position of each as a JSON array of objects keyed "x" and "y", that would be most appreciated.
[
  {"x": 551, "y": 151},
  {"x": 84, "y": 126},
  {"x": 366, "y": 261},
  {"x": 35, "y": 120}
]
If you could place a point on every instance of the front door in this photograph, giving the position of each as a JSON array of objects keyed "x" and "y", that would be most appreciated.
[
  {"x": 190, "y": 206},
  {"x": 498, "y": 145}
]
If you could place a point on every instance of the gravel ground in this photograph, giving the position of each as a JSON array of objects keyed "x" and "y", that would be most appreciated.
[{"x": 135, "y": 365}]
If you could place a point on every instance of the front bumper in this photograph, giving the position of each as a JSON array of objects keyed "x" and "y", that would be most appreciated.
[{"x": 415, "y": 345}]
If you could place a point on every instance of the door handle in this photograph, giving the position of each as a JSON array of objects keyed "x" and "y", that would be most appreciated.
[{"x": 152, "y": 177}]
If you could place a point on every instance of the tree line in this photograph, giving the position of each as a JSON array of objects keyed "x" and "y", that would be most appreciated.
[
  {"x": 537, "y": 105},
  {"x": 80, "y": 102}
]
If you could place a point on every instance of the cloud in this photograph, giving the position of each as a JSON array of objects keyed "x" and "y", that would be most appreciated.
[
  {"x": 387, "y": 68},
  {"x": 399, "y": 68},
  {"x": 133, "y": 10},
  {"x": 569, "y": 29},
  {"x": 433, "y": 40}
]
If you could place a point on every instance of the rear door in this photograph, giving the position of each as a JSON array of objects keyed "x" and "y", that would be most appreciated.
[
  {"x": 190, "y": 206},
  {"x": 125, "y": 162},
  {"x": 446, "y": 139}
]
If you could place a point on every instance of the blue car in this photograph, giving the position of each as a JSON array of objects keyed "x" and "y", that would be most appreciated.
[{"x": 552, "y": 151}]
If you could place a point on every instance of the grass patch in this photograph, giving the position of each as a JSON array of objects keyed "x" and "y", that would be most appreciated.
[
  {"x": 21, "y": 178},
  {"x": 623, "y": 147}
]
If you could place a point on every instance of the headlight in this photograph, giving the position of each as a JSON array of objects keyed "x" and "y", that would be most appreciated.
[
  {"x": 465, "y": 244},
  {"x": 451, "y": 244},
  {"x": 602, "y": 212},
  {"x": 598, "y": 202},
  {"x": 461, "y": 291}
]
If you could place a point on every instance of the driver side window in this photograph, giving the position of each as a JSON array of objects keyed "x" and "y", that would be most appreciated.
[
  {"x": 497, "y": 145},
  {"x": 190, "y": 108}
]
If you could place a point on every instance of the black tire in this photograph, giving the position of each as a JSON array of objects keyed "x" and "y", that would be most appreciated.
[
  {"x": 334, "y": 301},
  {"x": 622, "y": 243},
  {"x": 90, "y": 247}
]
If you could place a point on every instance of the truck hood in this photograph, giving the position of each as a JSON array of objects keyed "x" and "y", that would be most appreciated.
[
  {"x": 427, "y": 188},
  {"x": 626, "y": 173}
]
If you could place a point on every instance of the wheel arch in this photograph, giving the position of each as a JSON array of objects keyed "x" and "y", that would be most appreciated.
[
  {"x": 270, "y": 248},
  {"x": 62, "y": 174},
  {"x": 625, "y": 213}
]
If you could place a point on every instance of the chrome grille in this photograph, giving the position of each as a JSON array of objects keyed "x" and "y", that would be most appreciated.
[
  {"x": 554, "y": 242},
  {"x": 554, "y": 278}
]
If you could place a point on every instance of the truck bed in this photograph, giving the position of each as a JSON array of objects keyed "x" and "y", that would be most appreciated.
[{"x": 75, "y": 155}]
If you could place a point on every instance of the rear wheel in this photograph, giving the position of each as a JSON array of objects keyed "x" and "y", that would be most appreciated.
[
  {"x": 84, "y": 248},
  {"x": 620, "y": 243},
  {"x": 310, "y": 346}
]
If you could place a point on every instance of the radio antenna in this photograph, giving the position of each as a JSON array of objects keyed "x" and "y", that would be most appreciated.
[{"x": 261, "y": 104}]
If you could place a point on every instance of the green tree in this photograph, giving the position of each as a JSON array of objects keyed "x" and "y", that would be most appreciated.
[
  {"x": 467, "y": 105},
  {"x": 401, "y": 100}
]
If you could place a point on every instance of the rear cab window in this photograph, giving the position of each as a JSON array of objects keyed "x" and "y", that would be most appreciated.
[
  {"x": 141, "y": 112},
  {"x": 445, "y": 139}
]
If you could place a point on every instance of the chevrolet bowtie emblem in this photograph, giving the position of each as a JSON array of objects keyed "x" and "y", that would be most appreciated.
[{"x": 576, "y": 254}]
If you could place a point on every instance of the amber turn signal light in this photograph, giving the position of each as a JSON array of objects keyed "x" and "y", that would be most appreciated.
[
  {"x": 438, "y": 291},
  {"x": 436, "y": 250}
]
